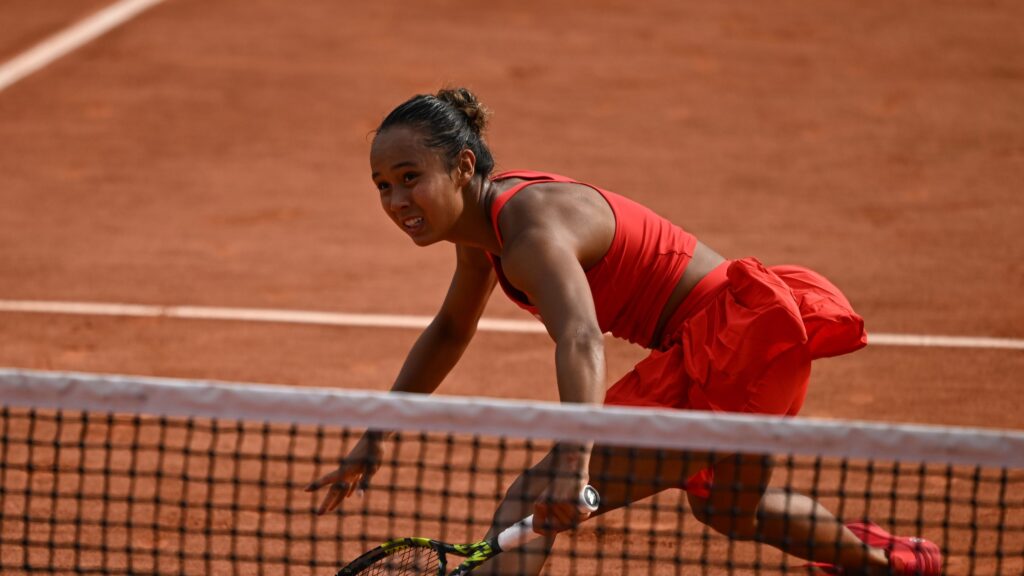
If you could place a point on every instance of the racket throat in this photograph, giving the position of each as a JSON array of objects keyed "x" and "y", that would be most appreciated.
[{"x": 476, "y": 554}]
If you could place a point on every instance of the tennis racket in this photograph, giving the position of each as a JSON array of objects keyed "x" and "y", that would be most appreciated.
[{"x": 426, "y": 557}]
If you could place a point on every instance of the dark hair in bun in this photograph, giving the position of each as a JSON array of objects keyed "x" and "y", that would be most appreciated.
[{"x": 451, "y": 121}]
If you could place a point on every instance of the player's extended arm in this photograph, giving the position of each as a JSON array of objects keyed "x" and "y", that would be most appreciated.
[{"x": 543, "y": 265}]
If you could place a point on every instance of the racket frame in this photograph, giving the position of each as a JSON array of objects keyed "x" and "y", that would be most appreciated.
[{"x": 475, "y": 554}]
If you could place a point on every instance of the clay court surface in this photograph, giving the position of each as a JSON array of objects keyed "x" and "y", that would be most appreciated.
[{"x": 214, "y": 153}]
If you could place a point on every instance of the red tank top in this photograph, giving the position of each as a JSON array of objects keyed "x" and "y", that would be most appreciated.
[{"x": 634, "y": 279}]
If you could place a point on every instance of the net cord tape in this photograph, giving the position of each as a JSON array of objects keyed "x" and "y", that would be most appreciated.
[{"x": 691, "y": 430}]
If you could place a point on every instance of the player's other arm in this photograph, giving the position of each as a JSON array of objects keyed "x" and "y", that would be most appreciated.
[
  {"x": 442, "y": 343},
  {"x": 435, "y": 353}
]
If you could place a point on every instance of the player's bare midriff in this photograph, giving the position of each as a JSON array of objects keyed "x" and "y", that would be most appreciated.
[{"x": 704, "y": 261}]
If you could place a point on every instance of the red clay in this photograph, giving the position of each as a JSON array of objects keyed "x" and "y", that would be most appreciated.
[{"x": 216, "y": 154}]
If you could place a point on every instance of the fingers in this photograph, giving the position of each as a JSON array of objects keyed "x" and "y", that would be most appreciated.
[
  {"x": 336, "y": 476},
  {"x": 345, "y": 474},
  {"x": 551, "y": 518},
  {"x": 336, "y": 494},
  {"x": 555, "y": 515},
  {"x": 342, "y": 483},
  {"x": 354, "y": 473}
]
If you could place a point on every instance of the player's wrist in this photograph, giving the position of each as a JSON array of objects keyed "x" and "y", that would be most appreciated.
[{"x": 573, "y": 458}]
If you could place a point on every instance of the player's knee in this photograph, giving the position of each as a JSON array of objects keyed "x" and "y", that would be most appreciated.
[
  {"x": 521, "y": 495},
  {"x": 727, "y": 520},
  {"x": 731, "y": 523},
  {"x": 513, "y": 508}
]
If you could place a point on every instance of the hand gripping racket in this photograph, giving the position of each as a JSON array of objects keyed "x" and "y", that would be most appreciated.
[{"x": 426, "y": 557}]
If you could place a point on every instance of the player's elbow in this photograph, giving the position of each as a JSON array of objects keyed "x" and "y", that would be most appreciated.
[
  {"x": 580, "y": 364},
  {"x": 581, "y": 338},
  {"x": 453, "y": 332}
]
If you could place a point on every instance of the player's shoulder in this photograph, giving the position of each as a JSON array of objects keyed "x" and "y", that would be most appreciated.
[
  {"x": 538, "y": 201},
  {"x": 533, "y": 212}
]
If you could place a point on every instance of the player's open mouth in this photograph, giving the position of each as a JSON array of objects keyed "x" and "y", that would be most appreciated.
[{"x": 412, "y": 224}]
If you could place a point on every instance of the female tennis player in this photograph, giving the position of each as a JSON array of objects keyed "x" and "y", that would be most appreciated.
[{"x": 724, "y": 335}]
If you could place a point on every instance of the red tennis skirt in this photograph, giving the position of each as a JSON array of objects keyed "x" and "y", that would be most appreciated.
[{"x": 743, "y": 341}]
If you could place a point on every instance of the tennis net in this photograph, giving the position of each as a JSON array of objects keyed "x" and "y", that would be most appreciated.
[{"x": 121, "y": 475}]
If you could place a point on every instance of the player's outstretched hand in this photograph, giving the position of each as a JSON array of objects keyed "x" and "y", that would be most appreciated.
[{"x": 354, "y": 473}]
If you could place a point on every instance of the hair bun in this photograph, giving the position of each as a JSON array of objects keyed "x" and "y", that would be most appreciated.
[{"x": 465, "y": 101}]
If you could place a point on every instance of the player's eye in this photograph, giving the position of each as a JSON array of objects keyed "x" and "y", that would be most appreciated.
[{"x": 408, "y": 177}]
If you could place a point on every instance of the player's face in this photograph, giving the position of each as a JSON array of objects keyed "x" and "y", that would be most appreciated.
[{"x": 416, "y": 189}]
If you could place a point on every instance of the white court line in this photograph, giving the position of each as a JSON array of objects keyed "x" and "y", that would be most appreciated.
[
  {"x": 70, "y": 39},
  {"x": 414, "y": 322},
  {"x": 112, "y": 16}
]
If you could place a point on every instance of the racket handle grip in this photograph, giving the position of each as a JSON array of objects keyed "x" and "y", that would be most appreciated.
[{"x": 522, "y": 532}]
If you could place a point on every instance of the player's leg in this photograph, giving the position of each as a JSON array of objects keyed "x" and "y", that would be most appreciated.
[
  {"x": 516, "y": 505},
  {"x": 742, "y": 506},
  {"x": 620, "y": 475},
  {"x": 739, "y": 503}
]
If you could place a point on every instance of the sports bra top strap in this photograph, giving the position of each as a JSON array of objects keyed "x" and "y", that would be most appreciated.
[{"x": 528, "y": 177}]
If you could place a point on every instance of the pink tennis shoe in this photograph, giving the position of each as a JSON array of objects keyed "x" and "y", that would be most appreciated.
[{"x": 908, "y": 556}]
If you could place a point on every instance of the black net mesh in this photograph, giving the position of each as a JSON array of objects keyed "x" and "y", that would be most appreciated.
[{"x": 111, "y": 493}]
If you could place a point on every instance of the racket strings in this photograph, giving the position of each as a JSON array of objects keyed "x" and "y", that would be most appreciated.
[{"x": 411, "y": 561}]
